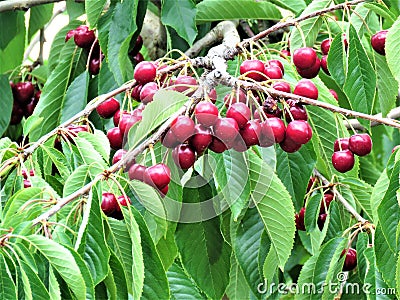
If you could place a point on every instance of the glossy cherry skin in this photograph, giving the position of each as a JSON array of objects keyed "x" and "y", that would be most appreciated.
[
  {"x": 310, "y": 72},
  {"x": 201, "y": 138},
  {"x": 29, "y": 108},
  {"x": 109, "y": 203},
  {"x": 70, "y": 34},
  {"x": 334, "y": 94},
  {"x": 282, "y": 86},
  {"x": 360, "y": 144},
  {"x": 94, "y": 66},
  {"x": 145, "y": 72},
  {"x": 240, "y": 112},
  {"x": 217, "y": 145},
  {"x": 158, "y": 176},
  {"x": 273, "y": 72},
  {"x": 350, "y": 262},
  {"x": 147, "y": 92},
  {"x": 276, "y": 127},
  {"x": 304, "y": 58},
  {"x": 297, "y": 112},
  {"x": 135, "y": 93},
  {"x": 213, "y": 95},
  {"x": 183, "y": 83},
  {"x": 169, "y": 140},
  {"x": 229, "y": 99},
  {"x": 124, "y": 200},
  {"x": 138, "y": 45},
  {"x": 255, "y": 69},
  {"x": 299, "y": 218},
  {"x": 184, "y": 156},
  {"x": 306, "y": 88},
  {"x": 126, "y": 121},
  {"x": 311, "y": 183},
  {"x": 328, "y": 197},
  {"x": 324, "y": 65},
  {"x": 285, "y": 53},
  {"x": 182, "y": 128},
  {"x": 226, "y": 129},
  {"x": 299, "y": 131},
  {"x": 136, "y": 172},
  {"x": 275, "y": 63},
  {"x": 251, "y": 133},
  {"x": 118, "y": 156},
  {"x": 23, "y": 92},
  {"x": 83, "y": 37},
  {"x": 378, "y": 41},
  {"x": 108, "y": 108},
  {"x": 206, "y": 113},
  {"x": 289, "y": 145},
  {"x": 325, "y": 46},
  {"x": 341, "y": 144},
  {"x": 343, "y": 161},
  {"x": 115, "y": 137},
  {"x": 321, "y": 221}
]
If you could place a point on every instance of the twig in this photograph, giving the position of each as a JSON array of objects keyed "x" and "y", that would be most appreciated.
[
  {"x": 341, "y": 199},
  {"x": 393, "y": 114},
  {"x": 246, "y": 28},
  {"x": 22, "y": 4}
]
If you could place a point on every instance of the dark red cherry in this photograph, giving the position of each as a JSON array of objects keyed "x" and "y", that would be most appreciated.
[
  {"x": 251, "y": 133},
  {"x": 276, "y": 126},
  {"x": 304, "y": 58},
  {"x": 182, "y": 128},
  {"x": 378, "y": 41},
  {"x": 138, "y": 45},
  {"x": 324, "y": 65},
  {"x": 310, "y": 72},
  {"x": 325, "y": 46},
  {"x": 23, "y": 92},
  {"x": 360, "y": 144},
  {"x": 341, "y": 144},
  {"x": 118, "y": 155},
  {"x": 343, "y": 161},
  {"x": 299, "y": 131},
  {"x": 94, "y": 66},
  {"x": 109, "y": 203},
  {"x": 217, "y": 145},
  {"x": 306, "y": 88},
  {"x": 275, "y": 63},
  {"x": 115, "y": 137},
  {"x": 285, "y": 53},
  {"x": 135, "y": 93},
  {"x": 226, "y": 129},
  {"x": 136, "y": 172},
  {"x": 240, "y": 112},
  {"x": 184, "y": 156},
  {"x": 147, "y": 92},
  {"x": 158, "y": 176},
  {"x": 145, "y": 72},
  {"x": 282, "y": 86},
  {"x": 108, "y": 108},
  {"x": 237, "y": 96},
  {"x": 254, "y": 69},
  {"x": 334, "y": 94},
  {"x": 273, "y": 72},
  {"x": 183, "y": 83},
  {"x": 126, "y": 121},
  {"x": 289, "y": 145},
  {"x": 328, "y": 197},
  {"x": 201, "y": 138},
  {"x": 297, "y": 112},
  {"x": 350, "y": 261},
  {"x": 321, "y": 221},
  {"x": 70, "y": 34},
  {"x": 169, "y": 140},
  {"x": 83, "y": 37},
  {"x": 299, "y": 218},
  {"x": 206, "y": 113},
  {"x": 138, "y": 58}
]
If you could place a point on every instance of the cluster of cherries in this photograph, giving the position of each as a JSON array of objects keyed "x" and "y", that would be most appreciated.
[
  {"x": 345, "y": 148},
  {"x": 27, "y": 182},
  {"x": 86, "y": 39},
  {"x": 26, "y": 97},
  {"x": 111, "y": 205},
  {"x": 134, "y": 54}
]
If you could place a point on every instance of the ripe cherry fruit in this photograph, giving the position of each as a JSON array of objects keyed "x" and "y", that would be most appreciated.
[
  {"x": 341, "y": 144},
  {"x": 299, "y": 131},
  {"x": 109, "y": 203},
  {"x": 226, "y": 129},
  {"x": 299, "y": 218},
  {"x": 254, "y": 69},
  {"x": 360, "y": 144},
  {"x": 306, "y": 88},
  {"x": 251, "y": 133},
  {"x": 276, "y": 127},
  {"x": 23, "y": 92},
  {"x": 184, "y": 156},
  {"x": 147, "y": 92},
  {"x": 145, "y": 72},
  {"x": 158, "y": 176},
  {"x": 304, "y": 58},
  {"x": 83, "y": 37},
  {"x": 206, "y": 113},
  {"x": 343, "y": 161},
  {"x": 378, "y": 41},
  {"x": 115, "y": 137},
  {"x": 182, "y": 128},
  {"x": 118, "y": 156},
  {"x": 136, "y": 171},
  {"x": 108, "y": 108},
  {"x": 326, "y": 45},
  {"x": 273, "y": 72},
  {"x": 201, "y": 138},
  {"x": 240, "y": 112},
  {"x": 282, "y": 86},
  {"x": 350, "y": 262}
]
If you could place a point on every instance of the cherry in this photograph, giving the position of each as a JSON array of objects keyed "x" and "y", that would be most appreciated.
[
  {"x": 240, "y": 113},
  {"x": 310, "y": 72},
  {"x": 304, "y": 58},
  {"x": 70, "y": 34},
  {"x": 126, "y": 121},
  {"x": 184, "y": 156},
  {"x": 23, "y": 92},
  {"x": 238, "y": 144},
  {"x": 147, "y": 92},
  {"x": 135, "y": 93},
  {"x": 360, "y": 144},
  {"x": 118, "y": 155},
  {"x": 115, "y": 137},
  {"x": 325, "y": 46},
  {"x": 213, "y": 95},
  {"x": 37, "y": 96},
  {"x": 282, "y": 86},
  {"x": 321, "y": 221},
  {"x": 277, "y": 127},
  {"x": 183, "y": 83},
  {"x": 289, "y": 145},
  {"x": 306, "y": 88},
  {"x": 169, "y": 140},
  {"x": 254, "y": 69},
  {"x": 298, "y": 112},
  {"x": 285, "y": 53},
  {"x": 342, "y": 143},
  {"x": 109, "y": 203},
  {"x": 275, "y": 63},
  {"x": 299, "y": 131},
  {"x": 350, "y": 261},
  {"x": 29, "y": 108},
  {"x": 138, "y": 45},
  {"x": 311, "y": 183},
  {"x": 273, "y": 72},
  {"x": 232, "y": 98},
  {"x": 217, "y": 145},
  {"x": 75, "y": 129},
  {"x": 206, "y": 113},
  {"x": 328, "y": 197},
  {"x": 251, "y": 133},
  {"x": 94, "y": 66},
  {"x": 378, "y": 41},
  {"x": 201, "y": 138},
  {"x": 145, "y": 72},
  {"x": 324, "y": 65},
  {"x": 395, "y": 148},
  {"x": 108, "y": 108},
  {"x": 182, "y": 128},
  {"x": 136, "y": 172},
  {"x": 27, "y": 183},
  {"x": 158, "y": 176},
  {"x": 334, "y": 94},
  {"x": 343, "y": 161},
  {"x": 123, "y": 200},
  {"x": 117, "y": 116},
  {"x": 83, "y": 37},
  {"x": 299, "y": 218},
  {"x": 226, "y": 129},
  {"x": 138, "y": 58},
  {"x": 163, "y": 191},
  {"x": 25, "y": 174}
]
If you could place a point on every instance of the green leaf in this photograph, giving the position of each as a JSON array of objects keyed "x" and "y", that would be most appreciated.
[
  {"x": 237, "y": 288},
  {"x": 93, "y": 10},
  {"x": 295, "y": 6},
  {"x": 383, "y": 11},
  {"x": 204, "y": 240},
  {"x": 385, "y": 257},
  {"x": 309, "y": 27},
  {"x": 63, "y": 261},
  {"x": 164, "y": 105},
  {"x": 33, "y": 286},
  {"x": 387, "y": 86},
  {"x": 54, "y": 287},
  {"x": 87, "y": 150},
  {"x": 39, "y": 16},
  {"x": 6, "y": 103},
  {"x": 181, "y": 285},
  {"x": 116, "y": 281},
  {"x": 13, "y": 21},
  {"x": 378, "y": 192},
  {"x": 59, "y": 160},
  {"x": 275, "y": 207},
  {"x": 295, "y": 170},
  {"x": 7, "y": 286},
  {"x": 30, "y": 124},
  {"x": 216, "y": 10},
  {"x": 182, "y": 17},
  {"x": 360, "y": 83},
  {"x": 80, "y": 177},
  {"x": 337, "y": 60},
  {"x": 12, "y": 54},
  {"x": 361, "y": 18},
  {"x": 106, "y": 80},
  {"x": 362, "y": 193},
  {"x": 166, "y": 247}
]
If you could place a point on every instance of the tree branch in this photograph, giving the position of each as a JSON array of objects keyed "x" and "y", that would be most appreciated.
[
  {"x": 22, "y": 4},
  {"x": 393, "y": 114}
]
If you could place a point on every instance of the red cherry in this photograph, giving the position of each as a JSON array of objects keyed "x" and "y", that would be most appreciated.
[
  {"x": 321, "y": 221},
  {"x": 378, "y": 41},
  {"x": 118, "y": 155},
  {"x": 360, "y": 144},
  {"x": 289, "y": 145},
  {"x": 240, "y": 113},
  {"x": 109, "y": 203},
  {"x": 138, "y": 58},
  {"x": 304, "y": 58},
  {"x": 276, "y": 126},
  {"x": 69, "y": 35},
  {"x": 298, "y": 112},
  {"x": 75, "y": 129},
  {"x": 184, "y": 156},
  {"x": 251, "y": 133},
  {"x": 164, "y": 191},
  {"x": 145, "y": 72},
  {"x": 273, "y": 72},
  {"x": 183, "y": 83},
  {"x": 325, "y": 46},
  {"x": 342, "y": 143},
  {"x": 206, "y": 113},
  {"x": 238, "y": 144},
  {"x": 158, "y": 176},
  {"x": 350, "y": 261},
  {"x": 83, "y": 37},
  {"x": 282, "y": 86},
  {"x": 310, "y": 72},
  {"x": 138, "y": 45},
  {"x": 343, "y": 161},
  {"x": 311, "y": 183},
  {"x": 201, "y": 138},
  {"x": 226, "y": 129},
  {"x": 217, "y": 145},
  {"x": 299, "y": 131},
  {"x": 135, "y": 93},
  {"x": 328, "y": 197},
  {"x": 299, "y": 218},
  {"x": 275, "y": 63},
  {"x": 23, "y": 92},
  {"x": 29, "y": 108},
  {"x": 115, "y": 137},
  {"x": 94, "y": 66},
  {"x": 147, "y": 92},
  {"x": 117, "y": 117},
  {"x": 126, "y": 121},
  {"x": 169, "y": 140},
  {"x": 124, "y": 200},
  {"x": 213, "y": 95},
  {"x": 136, "y": 172},
  {"x": 254, "y": 68},
  {"x": 324, "y": 65},
  {"x": 230, "y": 99},
  {"x": 182, "y": 128},
  {"x": 306, "y": 88},
  {"x": 108, "y": 108},
  {"x": 334, "y": 94},
  {"x": 285, "y": 53},
  {"x": 395, "y": 148}
]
